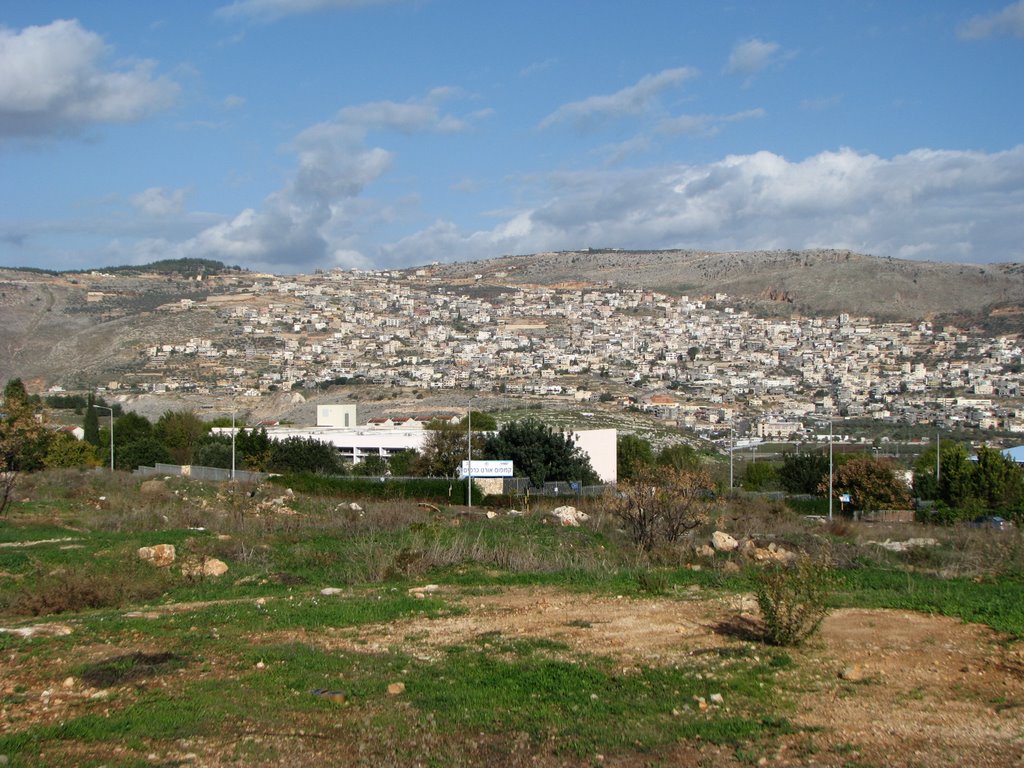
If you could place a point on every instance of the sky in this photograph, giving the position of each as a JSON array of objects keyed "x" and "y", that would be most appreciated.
[{"x": 295, "y": 135}]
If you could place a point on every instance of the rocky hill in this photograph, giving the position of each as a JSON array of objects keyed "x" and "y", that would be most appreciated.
[{"x": 810, "y": 282}]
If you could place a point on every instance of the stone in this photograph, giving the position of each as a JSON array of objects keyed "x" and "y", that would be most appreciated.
[
  {"x": 329, "y": 591},
  {"x": 69, "y": 682},
  {"x": 396, "y": 689},
  {"x": 161, "y": 555},
  {"x": 716, "y": 698},
  {"x": 421, "y": 592},
  {"x": 852, "y": 673},
  {"x": 723, "y": 542},
  {"x": 491, "y": 514},
  {"x": 210, "y": 567},
  {"x": 355, "y": 507},
  {"x": 705, "y": 550}
]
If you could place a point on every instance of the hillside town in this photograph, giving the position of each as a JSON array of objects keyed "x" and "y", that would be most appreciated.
[{"x": 698, "y": 363}]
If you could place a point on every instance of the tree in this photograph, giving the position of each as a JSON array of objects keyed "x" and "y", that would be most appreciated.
[
  {"x": 633, "y": 454},
  {"x": 181, "y": 433},
  {"x": 445, "y": 449},
  {"x": 540, "y": 453},
  {"x": 679, "y": 456},
  {"x": 662, "y": 504},
  {"x": 371, "y": 466},
  {"x": 760, "y": 476},
  {"x": 91, "y": 424},
  {"x": 998, "y": 482},
  {"x": 303, "y": 454},
  {"x": 145, "y": 451},
  {"x": 803, "y": 472},
  {"x": 483, "y": 422},
  {"x": 401, "y": 463},
  {"x": 23, "y": 439},
  {"x": 872, "y": 484},
  {"x": 67, "y": 451},
  {"x": 215, "y": 451},
  {"x": 953, "y": 484},
  {"x": 255, "y": 448}
]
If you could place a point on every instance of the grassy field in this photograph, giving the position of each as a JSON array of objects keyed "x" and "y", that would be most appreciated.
[{"x": 122, "y": 663}]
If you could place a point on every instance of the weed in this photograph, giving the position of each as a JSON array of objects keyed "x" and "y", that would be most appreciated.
[{"x": 793, "y": 600}]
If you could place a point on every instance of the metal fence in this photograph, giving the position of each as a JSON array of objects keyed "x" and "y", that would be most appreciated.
[
  {"x": 521, "y": 486},
  {"x": 213, "y": 474}
]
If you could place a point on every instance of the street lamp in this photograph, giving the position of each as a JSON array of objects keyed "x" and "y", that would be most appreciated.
[
  {"x": 107, "y": 408},
  {"x": 469, "y": 454},
  {"x": 232, "y": 445}
]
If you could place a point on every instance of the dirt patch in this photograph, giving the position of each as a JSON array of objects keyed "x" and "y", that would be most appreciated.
[{"x": 919, "y": 690}]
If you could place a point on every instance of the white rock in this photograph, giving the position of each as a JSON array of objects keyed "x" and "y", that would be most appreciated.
[
  {"x": 723, "y": 542},
  {"x": 328, "y": 591}
]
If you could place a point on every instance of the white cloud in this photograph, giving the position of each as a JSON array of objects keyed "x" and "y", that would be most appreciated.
[
  {"x": 633, "y": 100},
  {"x": 309, "y": 222},
  {"x": 1007, "y": 22},
  {"x": 940, "y": 205},
  {"x": 157, "y": 201},
  {"x": 233, "y": 101},
  {"x": 270, "y": 10},
  {"x": 754, "y": 55},
  {"x": 54, "y": 82},
  {"x": 705, "y": 125}
]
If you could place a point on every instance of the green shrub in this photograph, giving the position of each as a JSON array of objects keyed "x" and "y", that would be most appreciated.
[{"x": 793, "y": 600}]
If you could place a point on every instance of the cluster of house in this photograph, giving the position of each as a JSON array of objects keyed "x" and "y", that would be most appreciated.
[{"x": 698, "y": 362}]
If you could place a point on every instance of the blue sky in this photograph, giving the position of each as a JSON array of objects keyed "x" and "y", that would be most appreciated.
[{"x": 291, "y": 135}]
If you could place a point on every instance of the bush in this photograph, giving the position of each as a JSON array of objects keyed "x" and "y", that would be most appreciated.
[
  {"x": 793, "y": 600},
  {"x": 662, "y": 505}
]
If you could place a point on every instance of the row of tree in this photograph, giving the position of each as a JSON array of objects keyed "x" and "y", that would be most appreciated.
[{"x": 956, "y": 484}]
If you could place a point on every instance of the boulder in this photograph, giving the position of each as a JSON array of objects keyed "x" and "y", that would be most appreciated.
[
  {"x": 161, "y": 555},
  {"x": 705, "y": 551},
  {"x": 723, "y": 542},
  {"x": 394, "y": 689},
  {"x": 568, "y": 515}
]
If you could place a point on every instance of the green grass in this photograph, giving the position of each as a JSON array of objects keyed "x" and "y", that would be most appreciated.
[
  {"x": 997, "y": 603},
  {"x": 582, "y": 704}
]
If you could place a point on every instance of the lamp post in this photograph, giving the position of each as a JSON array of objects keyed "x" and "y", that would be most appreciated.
[
  {"x": 732, "y": 448},
  {"x": 107, "y": 408},
  {"x": 469, "y": 454},
  {"x": 232, "y": 445},
  {"x": 830, "y": 470}
]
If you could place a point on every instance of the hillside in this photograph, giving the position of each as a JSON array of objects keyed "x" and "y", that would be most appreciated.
[
  {"x": 85, "y": 329},
  {"x": 811, "y": 282}
]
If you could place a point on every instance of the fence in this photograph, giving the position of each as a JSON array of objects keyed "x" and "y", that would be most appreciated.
[
  {"x": 214, "y": 474},
  {"x": 520, "y": 486}
]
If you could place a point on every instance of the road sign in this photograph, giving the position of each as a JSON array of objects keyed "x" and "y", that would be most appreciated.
[{"x": 486, "y": 468}]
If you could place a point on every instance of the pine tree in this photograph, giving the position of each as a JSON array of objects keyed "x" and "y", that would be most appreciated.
[{"x": 91, "y": 425}]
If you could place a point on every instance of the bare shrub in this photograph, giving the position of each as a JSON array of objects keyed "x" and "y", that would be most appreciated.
[
  {"x": 661, "y": 505},
  {"x": 69, "y": 590},
  {"x": 793, "y": 600}
]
